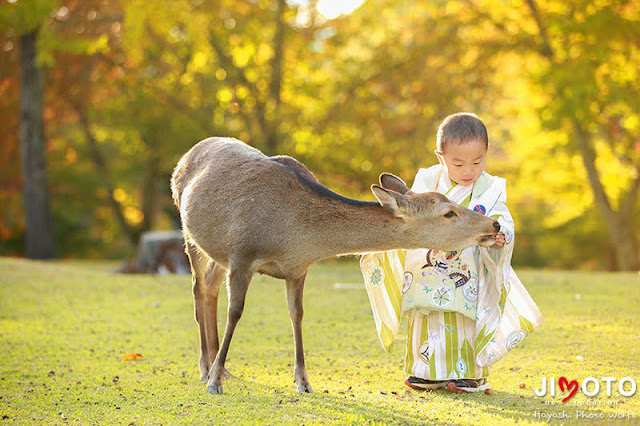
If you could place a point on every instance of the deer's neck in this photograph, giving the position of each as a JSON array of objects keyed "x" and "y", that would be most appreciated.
[{"x": 359, "y": 230}]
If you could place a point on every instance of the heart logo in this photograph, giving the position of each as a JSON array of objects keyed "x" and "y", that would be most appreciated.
[{"x": 571, "y": 385}]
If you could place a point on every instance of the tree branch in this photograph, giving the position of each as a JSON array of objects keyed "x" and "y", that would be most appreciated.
[
  {"x": 546, "y": 49},
  {"x": 234, "y": 71},
  {"x": 271, "y": 137},
  {"x": 237, "y": 73},
  {"x": 103, "y": 172},
  {"x": 589, "y": 159}
]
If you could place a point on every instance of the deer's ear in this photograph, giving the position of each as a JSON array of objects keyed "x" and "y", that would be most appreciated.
[
  {"x": 394, "y": 183},
  {"x": 393, "y": 202}
]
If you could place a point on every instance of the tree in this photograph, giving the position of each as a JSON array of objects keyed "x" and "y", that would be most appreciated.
[
  {"x": 387, "y": 75},
  {"x": 39, "y": 229},
  {"x": 132, "y": 85},
  {"x": 584, "y": 58},
  {"x": 152, "y": 83},
  {"x": 26, "y": 21}
]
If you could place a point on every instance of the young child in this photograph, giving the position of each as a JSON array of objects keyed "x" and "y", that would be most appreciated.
[{"x": 465, "y": 309}]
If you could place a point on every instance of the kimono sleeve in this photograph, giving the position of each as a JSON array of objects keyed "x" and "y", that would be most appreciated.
[
  {"x": 382, "y": 273},
  {"x": 501, "y": 212}
]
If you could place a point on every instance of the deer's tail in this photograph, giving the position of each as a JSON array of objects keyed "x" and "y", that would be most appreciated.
[{"x": 179, "y": 179}]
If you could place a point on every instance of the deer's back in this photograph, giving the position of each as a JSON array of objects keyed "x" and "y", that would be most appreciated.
[{"x": 234, "y": 198}]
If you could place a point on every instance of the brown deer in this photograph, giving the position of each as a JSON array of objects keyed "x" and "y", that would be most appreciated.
[{"x": 244, "y": 212}]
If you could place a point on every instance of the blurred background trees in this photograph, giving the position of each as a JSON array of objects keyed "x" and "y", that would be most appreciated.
[{"x": 130, "y": 86}]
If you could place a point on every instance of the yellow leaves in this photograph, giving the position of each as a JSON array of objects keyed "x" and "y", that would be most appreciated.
[
  {"x": 186, "y": 79},
  {"x": 234, "y": 40},
  {"x": 303, "y": 140},
  {"x": 199, "y": 62},
  {"x": 131, "y": 213},
  {"x": 631, "y": 123},
  {"x": 71, "y": 156},
  {"x": 264, "y": 54},
  {"x": 224, "y": 95},
  {"x": 120, "y": 195},
  {"x": 131, "y": 357},
  {"x": 241, "y": 92},
  {"x": 262, "y": 85},
  {"x": 242, "y": 55},
  {"x": 100, "y": 45},
  {"x": 221, "y": 74},
  {"x": 453, "y": 8},
  {"x": 614, "y": 174},
  {"x": 252, "y": 75}
]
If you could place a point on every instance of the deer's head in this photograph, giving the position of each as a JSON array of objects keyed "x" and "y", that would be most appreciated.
[{"x": 432, "y": 220}]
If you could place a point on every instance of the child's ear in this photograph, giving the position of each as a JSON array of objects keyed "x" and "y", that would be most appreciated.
[{"x": 439, "y": 155}]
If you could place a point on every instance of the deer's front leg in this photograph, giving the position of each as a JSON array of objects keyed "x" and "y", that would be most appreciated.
[{"x": 295, "y": 289}]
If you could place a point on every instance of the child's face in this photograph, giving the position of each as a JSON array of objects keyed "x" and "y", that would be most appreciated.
[{"x": 464, "y": 163}]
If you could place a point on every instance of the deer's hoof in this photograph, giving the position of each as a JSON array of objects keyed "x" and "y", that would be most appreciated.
[
  {"x": 305, "y": 388},
  {"x": 214, "y": 389}
]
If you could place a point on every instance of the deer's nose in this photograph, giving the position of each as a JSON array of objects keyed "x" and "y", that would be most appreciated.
[{"x": 496, "y": 226}]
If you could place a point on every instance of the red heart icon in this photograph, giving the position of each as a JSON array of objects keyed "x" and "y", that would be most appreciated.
[{"x": 562, "y": 382}]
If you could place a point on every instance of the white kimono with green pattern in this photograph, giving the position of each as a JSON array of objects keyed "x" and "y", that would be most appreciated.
[{"x": 466, "y": 309}]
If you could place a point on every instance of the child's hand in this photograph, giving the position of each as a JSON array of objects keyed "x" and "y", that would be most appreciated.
[{"x": 500, "y": 240}]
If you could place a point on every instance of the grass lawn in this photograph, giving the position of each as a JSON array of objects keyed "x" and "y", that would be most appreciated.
[{"x": 65, "y": 327}]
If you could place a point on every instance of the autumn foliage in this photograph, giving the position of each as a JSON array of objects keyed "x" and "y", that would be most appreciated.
[{"x": 131, "y": 85}]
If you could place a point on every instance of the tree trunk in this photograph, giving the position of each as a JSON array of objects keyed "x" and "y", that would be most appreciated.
[
  {"x": 271, "y": 139},
  {"x": 619, "y": 223},
  {"x": 621, "y": 233},
  {"x": 39, "y": 222}
]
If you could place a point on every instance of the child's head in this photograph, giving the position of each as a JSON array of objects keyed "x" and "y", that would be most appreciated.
[{"x": 461, "y": 147}]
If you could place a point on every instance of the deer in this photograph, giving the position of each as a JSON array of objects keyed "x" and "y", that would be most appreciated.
[{"x": 244, "y": 212}]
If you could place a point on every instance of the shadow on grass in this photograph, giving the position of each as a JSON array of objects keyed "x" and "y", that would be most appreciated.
[
  {"x": 501, "y": 406},
  {"x": 289, "y": 406}
]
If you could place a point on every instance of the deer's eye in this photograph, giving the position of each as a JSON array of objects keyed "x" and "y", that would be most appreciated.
[{"x": 450, "y": 214}]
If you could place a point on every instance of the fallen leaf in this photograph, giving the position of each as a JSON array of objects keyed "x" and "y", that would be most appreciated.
[
  {"x": 488, "y": 391},
  {"x": 522, "y": 386},
  {"x": 129, "y": 357}
]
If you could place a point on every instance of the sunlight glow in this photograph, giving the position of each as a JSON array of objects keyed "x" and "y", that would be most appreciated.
[{"x": 331, "y": 9}]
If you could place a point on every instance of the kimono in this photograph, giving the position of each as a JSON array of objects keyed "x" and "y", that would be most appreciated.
[{"x": 465, "y": 310}]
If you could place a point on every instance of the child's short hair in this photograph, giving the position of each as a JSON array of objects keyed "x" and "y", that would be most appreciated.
[{"x": 460, "y": 128}]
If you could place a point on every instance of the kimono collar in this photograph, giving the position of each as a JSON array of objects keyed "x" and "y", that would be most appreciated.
[{"x": 427, "y": 180}]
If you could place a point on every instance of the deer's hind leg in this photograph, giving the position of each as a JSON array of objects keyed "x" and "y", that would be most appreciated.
[
  {"x": 240, "y": 275},
  {"x": 295, "y": 289},
  {"x": 214, "y": 277},
  {"x": 202, "y": 275}
]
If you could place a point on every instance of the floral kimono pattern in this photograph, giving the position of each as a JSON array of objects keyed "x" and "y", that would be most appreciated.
[{"x": 475, "y": 314}]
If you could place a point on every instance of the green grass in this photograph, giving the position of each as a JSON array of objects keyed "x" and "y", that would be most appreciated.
[{"x": 65, "y": 326}]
